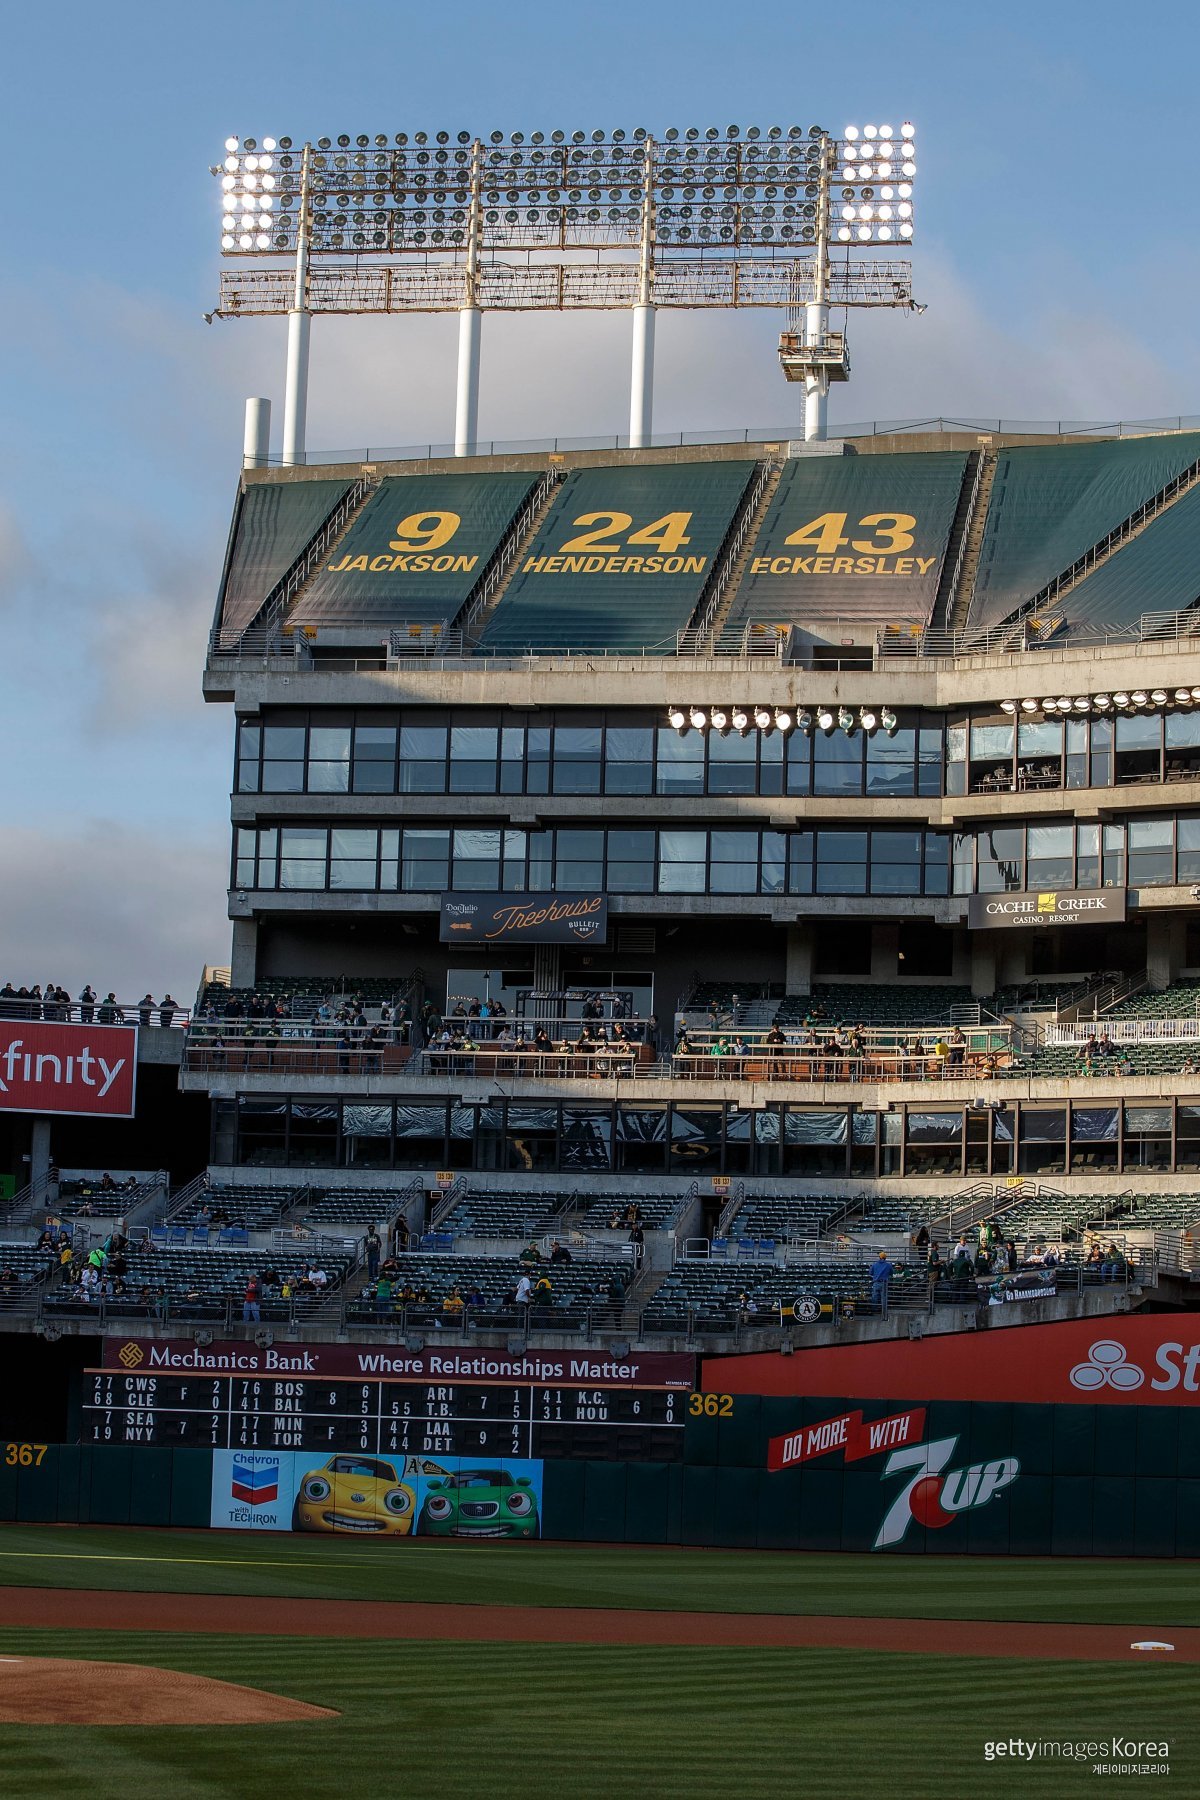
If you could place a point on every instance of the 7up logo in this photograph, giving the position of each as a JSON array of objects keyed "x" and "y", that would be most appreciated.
[{"x": 933, "y": 1495}]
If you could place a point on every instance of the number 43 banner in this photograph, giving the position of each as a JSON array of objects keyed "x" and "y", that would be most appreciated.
[{"x": 854, "y": 537}]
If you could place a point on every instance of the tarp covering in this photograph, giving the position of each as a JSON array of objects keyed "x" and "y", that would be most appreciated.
[
  {"x": 1157, "y": 571},
  {"x": 855, "y": 537},
  {"x": 621, "y": 559},
  {"x": 415, "y": 551},
  {"x": 275, "y": 521},
  {"x": 1050, "y": 504}
]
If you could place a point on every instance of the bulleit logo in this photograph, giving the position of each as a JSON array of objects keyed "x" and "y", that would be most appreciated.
[
  {"x": 131, "y": 1355},
  {"x": 1107, "y": 1366}
]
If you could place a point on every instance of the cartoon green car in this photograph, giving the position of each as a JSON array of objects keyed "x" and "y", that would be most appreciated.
[{"x": 479, "y": 1503}]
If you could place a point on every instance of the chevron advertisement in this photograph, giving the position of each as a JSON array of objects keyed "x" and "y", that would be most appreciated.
[
  {"x": 356, "y": 1495},
  {"x": 1119, "y": 1361}
]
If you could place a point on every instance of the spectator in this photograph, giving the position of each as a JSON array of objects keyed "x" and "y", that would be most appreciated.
[
  {"x": 250, "y": 1311},
  {"x": 109, "y": 1012},
  {"x": 637, "y": 1238},
  {"x": 373, "y": 1246},
  {"x": 474, "y": 1297},
  {"x": 524, "y": 1291},
  {"x": 145, "y": 1009},
  {"x": 167, "y": 1008},
  {"x": 87, "y": 1005},
  {"x": 881, "y": 1275},
  {"x": 559, "y": 1253}
]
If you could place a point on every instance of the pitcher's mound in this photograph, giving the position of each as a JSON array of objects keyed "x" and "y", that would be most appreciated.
[{"x": 42, "y": 1690}]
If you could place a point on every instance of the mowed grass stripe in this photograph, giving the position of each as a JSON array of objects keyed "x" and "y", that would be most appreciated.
[
  {"x": 531, "y": 1720},
  {"x": 1139, "y": 1593}
]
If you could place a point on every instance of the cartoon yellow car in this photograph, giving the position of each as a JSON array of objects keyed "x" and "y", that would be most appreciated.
[{"x": 355, "y": 1493}]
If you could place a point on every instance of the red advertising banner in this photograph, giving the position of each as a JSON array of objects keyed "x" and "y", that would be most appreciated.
[
  {"x": 552, "y": 1368},
  {"x": 1128, "y": 1361},
  {"x": 846, "y": 1433},
  {"x": 90, "y": 1069}
]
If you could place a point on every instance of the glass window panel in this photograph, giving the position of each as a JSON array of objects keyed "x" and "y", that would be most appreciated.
[
  {"x": 682, "y": 846},
  {"x": 249, "y": 740},
  {"x": 1139, "y": 732},
  {"x": 1151, "y": 834},
  {"x": 956, "y": 743},
  {"x": 681, "y": 878},
  {"x": 282, "y": 778},
  {"x": 301, "y": 840},
  {"x": 1039, "y": 1127},
  {"x": 422, "y": 743},
  {"x": 580, "y": 846},
  {"x": 896, "y": 846},
  {"x": 577, "y": 743},
  {"x": 329, "y": 743},
  {"x": 841, "y": 846},
  {"x": 629, "y": 743},
  {"x": 328, "y": 777},
  {"x": 356, "y": 843},
  {"x": 680, "y": 762},
  {"x": 890, "y": 762},
  {"x": 283, "y": 741},
  {"x": 375, "y": 743},
  {"x": 1051, "y": 840},
  {"x": 374, "y": 778},
  {"x": 1040, "y": 737},
  {"x": 1148, "y": 1121},
  {"x": 475, "y": 843},
  {"x": 838, "y": 761},
  {"x": 1183, "y": 730},
  {"x": 248, "y": 777},
  {"x": 930, "y": 752},
  {"x": 841, "y": 878},
  {"x": 991, "y": 741},
  {"x": 299, "y": 872},
  {"x": 934, "y": 1127}
]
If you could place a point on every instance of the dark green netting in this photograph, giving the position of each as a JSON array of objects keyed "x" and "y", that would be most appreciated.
[
  {"x": 1157, "y": 571},
  {"x": 378, "y": 575},
  {"x": 275, "y": 521},
  {"x": 846, "y": 567},
  {"x": 587, "y": 583},
  {"x": 1050, "y": 505}
]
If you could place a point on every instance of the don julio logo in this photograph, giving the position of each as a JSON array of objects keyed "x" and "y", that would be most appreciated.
[{"x": 131, "y": 1356}]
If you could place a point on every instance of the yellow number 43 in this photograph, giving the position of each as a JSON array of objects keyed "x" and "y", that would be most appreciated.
[{"x": 825, "y": 534}]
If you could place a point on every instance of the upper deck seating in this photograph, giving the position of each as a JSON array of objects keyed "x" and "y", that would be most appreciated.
[
  {"x": 275, "y": 521},
  {"x": 858, "y": 537},
  {"x": 621, "y": 559},
  {"x": 415, "y": 551},
  {"x": 1049, "y": 504}
]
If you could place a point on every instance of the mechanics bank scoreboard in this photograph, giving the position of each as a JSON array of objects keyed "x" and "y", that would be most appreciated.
[{"x": 388, "y": 1402}]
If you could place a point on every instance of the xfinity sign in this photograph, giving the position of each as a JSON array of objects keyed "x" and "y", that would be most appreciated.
[
  {"x": 1049, "y": 907},
  {"x": 88, "y": 1069}
]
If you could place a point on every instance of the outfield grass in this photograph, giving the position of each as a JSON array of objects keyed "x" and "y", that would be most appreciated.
[
  {"x": 521, "y": 1721},
  {"x": 264, "y": 1565}
]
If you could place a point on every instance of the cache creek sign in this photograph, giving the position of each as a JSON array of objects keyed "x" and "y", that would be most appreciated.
[{"x": 1052, "y": 907}]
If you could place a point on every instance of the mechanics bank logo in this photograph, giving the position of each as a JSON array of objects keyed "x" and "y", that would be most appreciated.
[
  {"x": 1107, "y": 1367},
  {"x": 934, "y": 1495},
  {"x": 131, "y": 1355}
]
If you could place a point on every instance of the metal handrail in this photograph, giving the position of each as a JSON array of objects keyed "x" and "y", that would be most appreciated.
[
  {"x": 476, "y": 603},
  {"x": 99, "y": 1012},
  {"x": 692, "y": 637}
]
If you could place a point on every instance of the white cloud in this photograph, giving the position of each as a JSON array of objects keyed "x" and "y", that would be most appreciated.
[{"x": 101, "y": 901}]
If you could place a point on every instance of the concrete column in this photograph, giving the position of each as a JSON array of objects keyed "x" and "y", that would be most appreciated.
[
  {"x": 798, "y": 970},
  {"x": 983, "y": 963},
  {"x": 39, "y": 1152},
  {"x": 885, "y": 952},
  {"x": 1166, "y": 939},
  {"x": 256, "y": 440},
  {"x": 243, "y": 956}
]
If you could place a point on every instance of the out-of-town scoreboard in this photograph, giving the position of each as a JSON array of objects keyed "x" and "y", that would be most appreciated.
[{"x": 344, "y": 1398}]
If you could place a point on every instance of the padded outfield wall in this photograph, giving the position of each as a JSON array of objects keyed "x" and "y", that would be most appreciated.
[{"x": 1085, "y": 1442}]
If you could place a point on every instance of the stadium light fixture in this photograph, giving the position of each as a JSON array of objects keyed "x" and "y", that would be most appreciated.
[
  {"x": 1196, "y": 693},
  {"x": 1008, "y": 706},
  {"x": 677, "y": 718},
  {"x": 867, "y": 719},
  {"x": 1120, "y": 699},
  {"x": 1159, "y": 696},
  {"x": 888, "y": 720},
  {"x": 1029, "y": 706},
  {"x": 719, "y": 719},
  {"x": 845, "y": 718},
  {"x": 698, "y": 718},
  {"x": 805, "y": 722},
  {"x": 1183, "y": 696},
  {"x": 763, "y": 718},
  {"x": 825, "y": 718},
  {"x": 1083, "y": 704},
  {"x": 441, "y": 222},
  {"x": 1102, "y": 702},
  {"x": 783, "y": 719},
  {"x": 1139, "y": 696},
  {"x": 1050, "y": 706},
  {"x": 740, "y": 718}
]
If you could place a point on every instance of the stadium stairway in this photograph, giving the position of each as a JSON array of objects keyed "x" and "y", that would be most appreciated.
[
  {"x": 482, "y": 609},
  {"x": 958, "y": 603},
  {"x": 334, "y": 530},
  {"x": 708, "y": 641}
]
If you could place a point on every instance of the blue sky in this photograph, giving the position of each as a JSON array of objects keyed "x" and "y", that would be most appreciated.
[{"x": 1056, "y": 249}]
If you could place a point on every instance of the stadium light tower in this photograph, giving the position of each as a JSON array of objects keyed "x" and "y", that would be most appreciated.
[
  {"x": 564, "y": 221},
  {"x": 872, "y": 171}
]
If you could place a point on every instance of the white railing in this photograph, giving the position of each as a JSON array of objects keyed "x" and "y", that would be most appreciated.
[
  {"x": 1125, "y": 1031},
  {"x": 94, "y": 1012}
]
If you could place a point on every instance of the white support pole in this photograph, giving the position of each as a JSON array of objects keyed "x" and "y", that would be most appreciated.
[
  {"x": 466, "y": 411},
  {"x": 295, "y": 395},
  {"x": 816, "y": 313},
  {"x": 816, "y": 383},
  {"x": 470, "y": 321},
  {"x": 641, "y": 385},
  {"x": 641, "y": 394},
  {"x": 256, "y": 441}
]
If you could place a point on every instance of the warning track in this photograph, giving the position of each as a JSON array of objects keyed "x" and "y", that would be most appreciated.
[{"x": 92, "y": 1610}]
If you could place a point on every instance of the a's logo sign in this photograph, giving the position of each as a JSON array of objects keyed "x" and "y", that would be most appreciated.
[
  {"x": 255, "y": 1484},
  {"x": 131, "y": 1356},
  {"x": 1106, "y": 1367},
  {"x": 933, "y": 1495},
  {"x": 806, "y": 1309},
  {"x": 1047, "y": 903}
]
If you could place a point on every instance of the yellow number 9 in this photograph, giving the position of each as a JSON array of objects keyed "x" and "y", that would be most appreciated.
[{"x": 425, "y": 531}]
